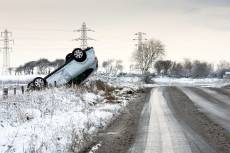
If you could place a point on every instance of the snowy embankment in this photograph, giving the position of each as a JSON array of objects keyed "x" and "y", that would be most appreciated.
[
  {"x": 58, "y": 120},
  {"x": 206, "y": 82},
  {"x": 127, "y": 81}
]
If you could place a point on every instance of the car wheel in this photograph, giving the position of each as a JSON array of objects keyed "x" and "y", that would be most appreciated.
[
  {"x": 30, "y": 86},
  {"x": 79, "y": 55},
  {"x": 68, "y": 57},
  {"x": 39, "y": 83}
]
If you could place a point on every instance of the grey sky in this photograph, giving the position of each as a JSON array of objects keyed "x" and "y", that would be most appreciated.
[{"x": 196, "y": 29}]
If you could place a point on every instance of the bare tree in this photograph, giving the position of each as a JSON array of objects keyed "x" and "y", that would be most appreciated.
[
  {"x": 108, "y": 65},
  {"x": 222, "y": 67},
  {"x": 28, "y": 67},
  {"x": 118, "y": 66},
  {"x": 131, "y": 67},
  {"x": 187, "y": 68},
  {"x": 176, "y": 70},
  {"x": 158, "y": 66},
  {"x": 42, "y": 65},
  {"x": 201, "y": 69},
  {"x": 105, "y": 64},
  {"x": 150, "y": 51},
  {"x": 57, "y": 63},
  {"x": 163, "y": 66},
  {"x": 19, "y": 70},
  {"x": 10, "y": 69}
]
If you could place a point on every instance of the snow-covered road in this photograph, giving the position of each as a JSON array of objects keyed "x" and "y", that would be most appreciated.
[
  {"x": 217, "y": 108},
  {"x": 164, "y": 126},
  {"x": 164, "y": 134},
  {"x": 184, "y": 120}
]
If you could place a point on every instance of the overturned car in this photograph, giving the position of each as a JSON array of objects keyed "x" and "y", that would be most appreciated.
[{"x": 79, "y": 65}]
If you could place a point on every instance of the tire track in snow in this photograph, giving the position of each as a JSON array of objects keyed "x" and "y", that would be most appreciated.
[
  {"x": 217, "y": 113},
  {"x": 140, "y": 143},
  {"x": 164, "y": 134},
  {"x": 219, "y": 96}
]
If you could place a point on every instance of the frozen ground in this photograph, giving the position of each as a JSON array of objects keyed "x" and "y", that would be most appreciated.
[{"x": 57, "y": 120}]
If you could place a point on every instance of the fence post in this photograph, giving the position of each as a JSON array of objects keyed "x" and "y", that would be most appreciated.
[
  {"x": 5, "y": 93},
  {"x": 23, "y": 90},
  {"x": 15, "y": 90}
]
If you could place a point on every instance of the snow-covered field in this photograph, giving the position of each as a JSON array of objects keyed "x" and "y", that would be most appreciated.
[
  {"x": 65, "y": 119},
  {"x": 17, "y": 78},
  {"x": 15, "y": 81},
  {"x": 127, "y": 81},
  {"x": 206, "y": 82},
  {"x": 56, "y": 120}
]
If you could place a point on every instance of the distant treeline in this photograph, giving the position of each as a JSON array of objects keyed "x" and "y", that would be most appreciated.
[
  {"x": 41, "y": 66},
  {"x": 191, "y": 69}
]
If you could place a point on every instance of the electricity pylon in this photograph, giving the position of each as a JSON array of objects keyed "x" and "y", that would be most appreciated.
[
  {"x": 6, "y": 50},
  {"x": 84, "y": 37},
  {"x": 140, "y": 38}
]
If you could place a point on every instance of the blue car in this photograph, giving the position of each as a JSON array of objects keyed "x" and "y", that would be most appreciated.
[{"x": 79, "y": 65}]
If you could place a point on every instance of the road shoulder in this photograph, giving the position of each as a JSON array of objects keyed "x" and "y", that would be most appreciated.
[{"x": 119, "y": 136}]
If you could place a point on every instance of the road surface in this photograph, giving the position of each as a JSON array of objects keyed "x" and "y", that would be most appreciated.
[{"x": 184, "y": 120}]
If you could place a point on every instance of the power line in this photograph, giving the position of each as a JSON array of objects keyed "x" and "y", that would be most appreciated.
[
  {"x": 84, "y": 38},
  {"x": 6, "y": 50}
]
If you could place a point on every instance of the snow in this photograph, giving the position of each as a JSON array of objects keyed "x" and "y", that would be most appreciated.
[
  {"x": 65, "y": 119},
  {"x": 95, "y": 148},
  {"x": 16, "y": 78},
  {"x": 12, "y": 81},
  {"x": 216, "y": 112},
  {"x": 135, "y": 82},
  {"x": 206, "y": 82},
  {"x": 161, "y": 132},
  {"x": 53, "y": 120}
]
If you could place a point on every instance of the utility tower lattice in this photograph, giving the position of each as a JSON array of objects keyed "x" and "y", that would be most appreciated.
[
  {"x": 140, "y": 38},
  {"x": 84, "y": 38},
  {"x": 6, "y": 50}
]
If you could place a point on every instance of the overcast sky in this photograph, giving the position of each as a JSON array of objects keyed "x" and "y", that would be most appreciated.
[{"x": 195, "y": 29}]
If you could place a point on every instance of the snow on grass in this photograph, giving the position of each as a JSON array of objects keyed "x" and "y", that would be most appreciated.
[
  {"x": 206, "y": 82},
  {"x": 121, "y": 81},
  {"x": 53, "y": 120}
]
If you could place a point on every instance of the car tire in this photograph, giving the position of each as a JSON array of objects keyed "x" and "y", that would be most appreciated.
[
  {"x": 39, "y": 83},
  {"x": 30, "y": 86},
  {"x": 79, "y": 55},
  {"x": 68, "y": 57}
]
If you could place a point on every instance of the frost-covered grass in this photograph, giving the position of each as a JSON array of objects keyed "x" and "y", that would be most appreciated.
[
  {"x": 54, "y": 120},
  {"x": 127, "y": 81}
]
